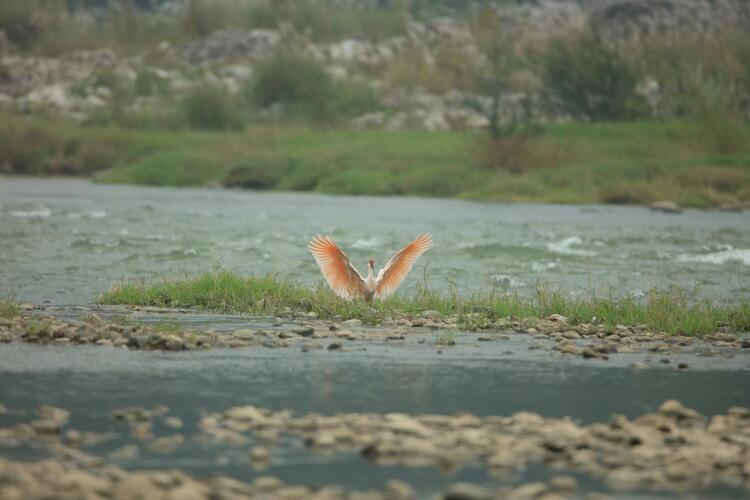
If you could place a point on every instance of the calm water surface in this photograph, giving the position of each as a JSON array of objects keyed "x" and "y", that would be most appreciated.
[
  {"x": 65, "y": 241},
  {"x": 484, "y": 378}
]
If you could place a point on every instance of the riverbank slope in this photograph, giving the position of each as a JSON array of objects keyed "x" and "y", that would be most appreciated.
[{"x": 627, "y": 162}]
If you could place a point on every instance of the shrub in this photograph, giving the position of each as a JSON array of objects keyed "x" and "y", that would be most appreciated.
[
  {"x": 293, "y": 81},
  {"x": 212, "y": 108},
  {"x": 149, "y": 83},
  {"x": 714, "y": 106},
  {"x": 201, "y": 18},
  {"x": 258, "y": 172},
  {"x": 302, "y": 88},
  {"x": 325, "y": 22},
  {"x": 679, "y": 62},
  {"x": 351, "y": 99},
  {"x": 21, "y": 21},
  {"x": 705, "y": 78},
  {"x": 592, "y": 80},
  {"x": 26, "y": 149}
]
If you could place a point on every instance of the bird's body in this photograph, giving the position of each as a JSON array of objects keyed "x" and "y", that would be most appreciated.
[{"x": 345, "y": 280}]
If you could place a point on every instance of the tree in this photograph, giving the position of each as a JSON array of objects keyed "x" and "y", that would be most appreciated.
[
  {"x": 592, "y": 80},
  {"x": 503, "y": 57}
]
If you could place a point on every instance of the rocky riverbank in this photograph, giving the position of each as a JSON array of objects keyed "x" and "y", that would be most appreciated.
[
  {"x": 117, "y": 327},
  {"x": 52, "y": 478},
  {"x": 674, "y": 449}
]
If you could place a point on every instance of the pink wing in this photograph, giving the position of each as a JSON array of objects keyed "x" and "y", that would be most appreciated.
[
  {"x": 394, "y": 272},
  {"x": 341, "y": 276}
]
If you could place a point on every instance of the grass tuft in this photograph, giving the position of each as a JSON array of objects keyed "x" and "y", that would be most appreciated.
[
  {"x": 9, "y": 309},
  {"x": 664, "y": 311}
]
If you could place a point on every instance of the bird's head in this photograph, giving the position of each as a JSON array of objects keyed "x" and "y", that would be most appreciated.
[{"x": 371, "y": 263}]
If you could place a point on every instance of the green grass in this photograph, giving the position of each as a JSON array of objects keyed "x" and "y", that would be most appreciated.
[
  {"x": 670, "y": 312},
  {"x": 38, "y": 328},
  {"x": 9, "y": 309},
  {"x": 629, "y": 162}
]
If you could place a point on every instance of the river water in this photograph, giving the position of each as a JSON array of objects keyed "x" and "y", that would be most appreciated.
[{"x": 65, "y": 241}]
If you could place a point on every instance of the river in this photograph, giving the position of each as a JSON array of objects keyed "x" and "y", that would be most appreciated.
[{"x": 64, "y": 241}]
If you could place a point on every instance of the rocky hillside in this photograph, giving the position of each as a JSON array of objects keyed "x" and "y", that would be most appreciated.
[{"x": 431, "y": 76}]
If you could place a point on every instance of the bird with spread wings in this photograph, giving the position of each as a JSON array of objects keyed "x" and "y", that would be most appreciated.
[{"x": 345, "y": 280}]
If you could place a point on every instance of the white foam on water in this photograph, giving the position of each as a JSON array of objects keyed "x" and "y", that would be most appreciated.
[
  {"x": 537, "y": 266},
  {"x": 365, "y": 244},
  {"x": 97, "y": 214},
  {"x": 505, "y": 281},
  {"x": 722, "y": 257},
  {"x": 563, "y": 247},
  {"x": 43, "y": 212}
]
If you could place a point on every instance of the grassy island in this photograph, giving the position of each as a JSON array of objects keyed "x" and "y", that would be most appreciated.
[{"x": 671, "y": 312}]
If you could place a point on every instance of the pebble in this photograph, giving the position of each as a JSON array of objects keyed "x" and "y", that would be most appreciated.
[
  {"x": 166, "y": 444},
  {"x": 127, "y": 452},
  {"x": 569, "y": 348},
  {"x": 607, "y": 451},
  {"x": 566, "y": 484},
  {"x": 662, "y": 347},
  {"x": 467, "y": 491},
  {"x": 398, "y": 490},
  {"x": 589, "y": 353},
  {"x": 173, "y": 422},
  {"x": 260, "y": 454},
  {"x": 303, "y": 331}
]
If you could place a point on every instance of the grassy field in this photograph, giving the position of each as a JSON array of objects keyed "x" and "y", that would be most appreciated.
[
  {"x": 669, "y": 312},
  {"x": 626, "y": 162}
]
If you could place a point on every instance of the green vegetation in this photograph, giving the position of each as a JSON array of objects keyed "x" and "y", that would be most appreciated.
[
  {"x": 659, "y": 117},
  {"x": 671, "y": 312},
  {"x": 38, "y": 328},
  {"x": 211, "y": 108},
  {"x": 629, "y": 162},
  {"x": 304, "y": 90},
  {"x": 446, "y": 338},
  {"x": 592, "y": 80},
  {"x": 52, "y": 27},
  {"x": 9, "y": 309}
]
